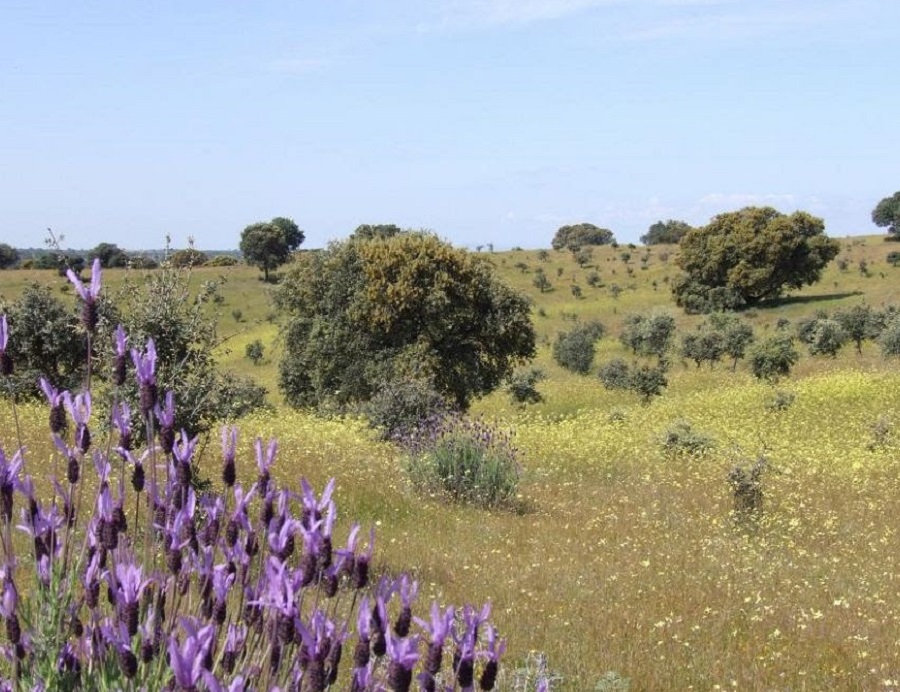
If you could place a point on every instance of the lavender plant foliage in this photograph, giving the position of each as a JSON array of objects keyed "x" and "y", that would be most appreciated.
[
  {"x": 465, "y": 460},
  {"x": 116, "y": 575}
]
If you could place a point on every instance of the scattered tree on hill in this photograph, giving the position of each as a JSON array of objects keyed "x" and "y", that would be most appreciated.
[
  {"x": 886, "y": 214},
  {"x": 737, "y": 335},
  {"x": 859, "y": 322},
  {"x": 9, "y": 256},
  {"x": 743, "y": 257},
  {"x": 363, "y": 313},
  {"x": 110, "y": 255},
  {"x": 827, "y": 338},
  {"x": 665, "y": 232},
  {"x": 644, "y": 380},
  {"x": 889, "y": 340},
  {"x": 774, "y": 357},
  {"x": 574, "y": 350},
  {"x": 580, "y": 235},
  {"x": 269, "y": 244},
  {"x": 369, "y": 231},
  {"x": 703, "y": 346},
  {"x": 648, "y": 335},
  {"x": 540, "y": 281}
]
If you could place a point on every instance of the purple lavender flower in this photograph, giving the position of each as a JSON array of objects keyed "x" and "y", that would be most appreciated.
[
  {"x": 234, "y": 644},
  {"x": 492, "y": 653},
  {"x": 88, "y": 295},
  {"x": 6, "y": 363},
  {"x": 117, "y": 636},
  {"x": 120, "y": 363},
  {"x": 314, "y": 507},
  {"x": 9, "y": 604},
  {"x": 130, "y": 585},
  {"x": 55, "y": 398},
  {"x": 145, "y": 369},
  {"x": 79, "y": 408},
  {"x": 408, "y": 591},
  {"x": 319, "y": 639},
  {"x": 187, "y": 658},
  {"x": 229, "y": 446},
  {"x": 9, "y": 472},
  {"x": 264, "y": 462},
  {"x": 165, "y": 415},
  {"x": 403, "y": 653},
  {"x": 438, "y": 630}
]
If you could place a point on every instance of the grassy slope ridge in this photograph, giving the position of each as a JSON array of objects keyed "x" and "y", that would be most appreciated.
[{"x": 628, "y": 558}]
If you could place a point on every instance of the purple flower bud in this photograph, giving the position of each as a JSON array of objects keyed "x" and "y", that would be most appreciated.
[{"x": 6, "y": 364}]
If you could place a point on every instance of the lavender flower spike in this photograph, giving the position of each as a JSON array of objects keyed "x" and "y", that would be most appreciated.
[
  {"x": 121, "y": 353},
  {"x": 6, "y": 364},
  {"x": 88, "y": 295},
  {"x": 145, "y": 368},
  {"x": 55, "y": 398}
]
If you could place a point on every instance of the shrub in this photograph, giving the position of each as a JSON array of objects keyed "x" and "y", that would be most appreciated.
[
  {"x": 189, "y": 257},
  {"x": 401, "y": 406},
  {"x": 890, "y": 338},
  {"x": 648, "y": 335},
  {"x": 828, "y": 337},
  {"x": 781, "y": 401},
  {"x": 615, "y": 374},
  {"x": 682, "y": 439},
  {"x": 222, "y": 261},
  {"x": 237, "y": 314},
  {"x": 893, "y": 258},
  {"x": 746, "y": 487},
  {"x": 522, "y": 386},
  {"x": 773, "y": 358},
  {"x": 254, "y": 351},
  {"x": 574, "y": 350},
  {"x": 464, "y": 460}
]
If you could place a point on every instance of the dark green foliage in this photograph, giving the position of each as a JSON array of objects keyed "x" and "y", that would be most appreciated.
[
  {"x": 110, "y": 255},
  {"x": 522, "y": 386},
  {"x": 665, "y": 232},
  {"x": 541, "y": 281},
  {"x": 9, "y": 256},
  {"x": 828, "y": 337},
  {"x": 703, "y": 346},
  {"x": 893, "y": 258},
  {"x": 268, "y": 245},
  {"x": 886, "y": 214},
  {"x": 753, "y": 254},
  {"x": 576, "y": 292},
  {"x": 255, "y": 351},
  {"x": 860, "y": 322},
  {"x": 584, "y": 256},
  {"x": 648, "y": 335},
  {"x": 222, "y": 261},
  {"x": 737, "y": 335},
  {"x": 162, "y": 305},
  {"x": 574, "y": 350},
  {"x": 579, "y": 235},
  {"x": 60, "y": 262},
  {"x": 889, "y": 340},
  {"x": 645, "y": 380},
  {"x": 402, "y": 406},
  {"x": 682, "y": 440},
  {"x": 543, "y": 255},
  {"x": 369, "y": 231},
  {"x": 189, "y": 257},
  {"x": 364, "y": 312},
  {"x": 465, "y": 461},
  {"x": 44, "y": 339},
  {"x": 593, "y": 279},
  {"x": 774, "y": 357}
]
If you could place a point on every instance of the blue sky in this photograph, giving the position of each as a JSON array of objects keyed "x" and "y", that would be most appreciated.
[{"x": 486, "y": 121}]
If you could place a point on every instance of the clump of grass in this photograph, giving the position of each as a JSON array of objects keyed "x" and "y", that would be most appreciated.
[{"x": 464, "y": 460}]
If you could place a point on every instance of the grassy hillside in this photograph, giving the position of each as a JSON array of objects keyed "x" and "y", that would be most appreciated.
[{"x": 627, "y": 556}]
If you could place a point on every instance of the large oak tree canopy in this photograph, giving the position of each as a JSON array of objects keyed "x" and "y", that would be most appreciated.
[
  {"x": 746, "y": 256},
  {"x": 365, "y": 312}
]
